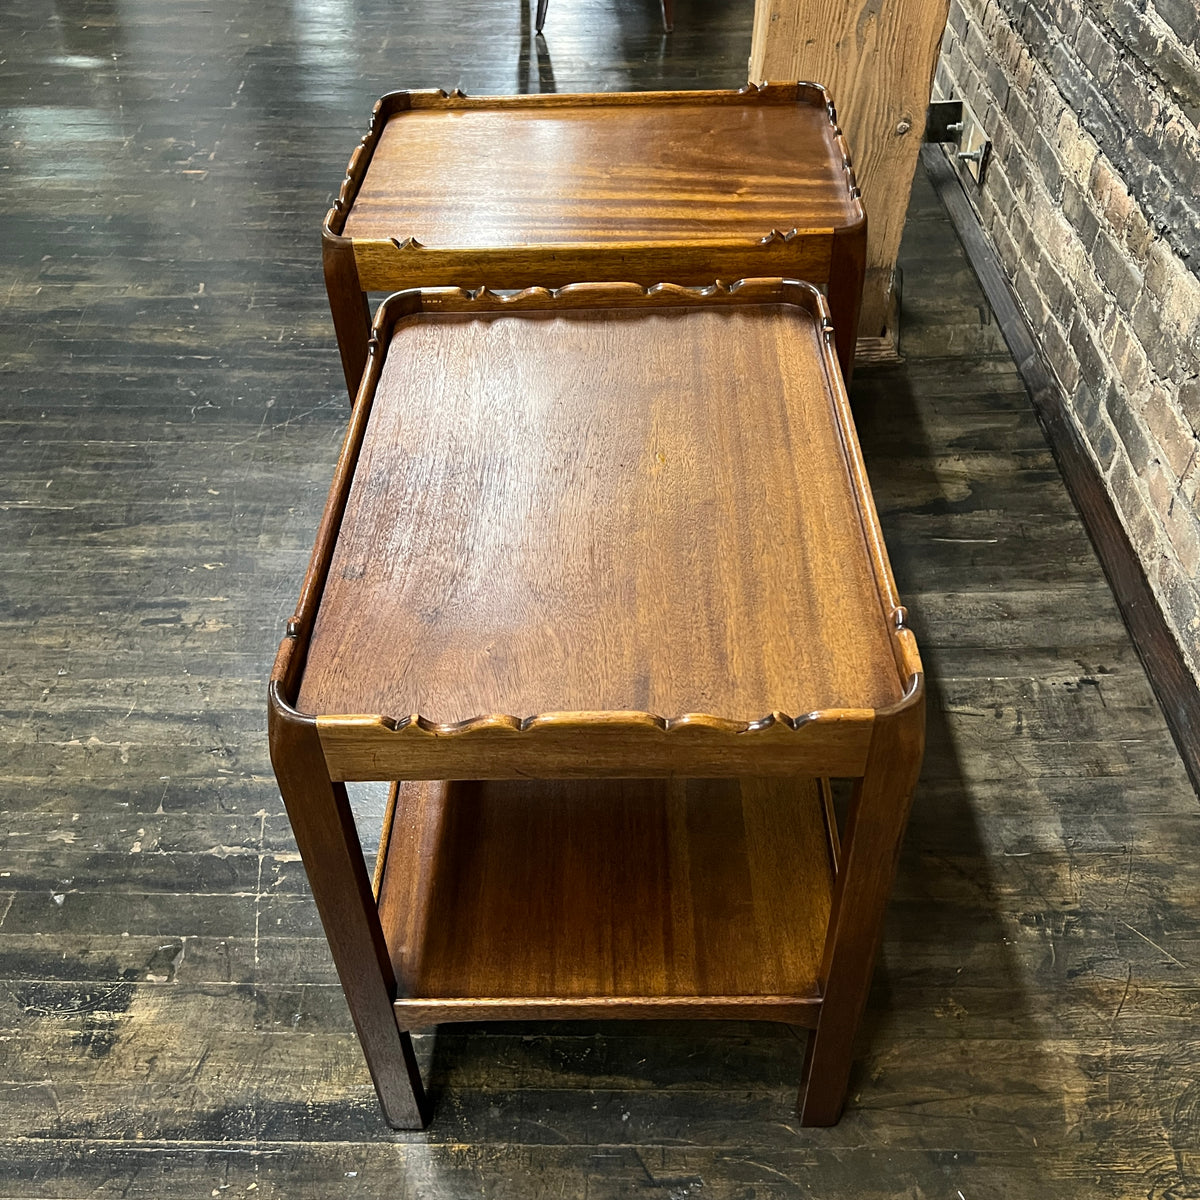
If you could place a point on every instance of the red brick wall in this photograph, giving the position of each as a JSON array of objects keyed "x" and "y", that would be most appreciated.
[{"x": 1092, "y": 200}]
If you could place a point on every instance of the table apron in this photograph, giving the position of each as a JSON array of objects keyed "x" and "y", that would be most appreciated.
[
  {"x": 388, "y": 264},
  {"x": 358, "y": 749}
]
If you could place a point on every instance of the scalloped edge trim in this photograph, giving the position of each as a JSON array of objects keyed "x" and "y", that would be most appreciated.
[
  {"x": 754, "y": 289},
  {"x": 778, "y": 235},
  {"x": 415, "y": 723}
]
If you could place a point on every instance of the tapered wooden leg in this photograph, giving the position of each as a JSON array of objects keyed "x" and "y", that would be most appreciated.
[
  {"x": 870, "y": 849},
  {"x": 541, "y": 14},
  {"x": 668, "y": 15},
  {"x": 847, "y": 269},
  {"x": 328, "y": 840},
  {"x": 351, "y": 312}
]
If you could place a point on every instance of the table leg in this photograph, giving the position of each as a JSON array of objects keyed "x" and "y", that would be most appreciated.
[
  {"x": 351, "y": 312},
  {"x": 319, "y": 811},
  {"x": 870, "y": 850},
  {"x": 847, "y": 271}
]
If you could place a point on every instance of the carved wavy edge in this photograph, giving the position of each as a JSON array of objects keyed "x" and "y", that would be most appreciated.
[
  {"x": 416, "y": 724},
  {"x": 595, "y": 294},
  {"x": 855, "y": 192},
  {"x": 770, "y": 289},
  {"x": 617, "y": 721},
  {"x": 778, "y": 235},
  {"x": 360, "y": 158}
]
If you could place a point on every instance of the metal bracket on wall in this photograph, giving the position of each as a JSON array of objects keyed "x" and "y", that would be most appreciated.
[
  {"x": 953, "y": 121},
  {"x": 943, "y": 121}
]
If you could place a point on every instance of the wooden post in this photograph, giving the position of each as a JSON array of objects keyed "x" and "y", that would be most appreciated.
[
  {"x": 877, "y": 58},
  {"x": 319, "y": 811},
  {"x": 870, "y": 850}
]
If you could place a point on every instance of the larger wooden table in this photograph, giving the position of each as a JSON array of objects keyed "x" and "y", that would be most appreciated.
[
  {"x": 607, "y": 562},
  {"x": 522, "y": 191}
]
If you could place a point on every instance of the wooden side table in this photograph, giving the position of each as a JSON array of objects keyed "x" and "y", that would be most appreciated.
[
  {"x": 522, "y": 191},
  {"x": 605, "y": 561}
]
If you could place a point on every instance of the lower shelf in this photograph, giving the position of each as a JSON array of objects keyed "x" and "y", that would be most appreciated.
[{"x": 607, "y": 898}]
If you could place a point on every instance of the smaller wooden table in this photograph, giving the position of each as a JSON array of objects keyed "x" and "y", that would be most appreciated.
[
  {"x": 605, "y": 560},
  {"x": 522, "y": 191}
]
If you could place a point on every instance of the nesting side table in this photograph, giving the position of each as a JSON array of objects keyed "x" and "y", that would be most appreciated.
[
  {"x": 605, "y": 563},
  {"x": 521, "y": 191}
]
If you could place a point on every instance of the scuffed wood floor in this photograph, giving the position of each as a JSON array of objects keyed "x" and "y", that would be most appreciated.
[{"x": 170, "y": 1024}]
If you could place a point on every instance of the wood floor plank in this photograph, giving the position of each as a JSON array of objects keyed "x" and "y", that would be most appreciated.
[
  {"x": 173, "y": 1026},
  {"x": 602, "y": 1172}
]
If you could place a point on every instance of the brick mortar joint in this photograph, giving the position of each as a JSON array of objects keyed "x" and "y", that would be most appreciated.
[
  {"x": 1162, "y": 550},
  {"x": 1168, "y": 111},
  {"x": 1150, "y": 19},
  {"x": 1027, "y": 214}
]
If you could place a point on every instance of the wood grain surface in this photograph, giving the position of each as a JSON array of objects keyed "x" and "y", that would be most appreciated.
[
  {"x": 610, "y": 892},
  {"x": 175, "y": 1025},
  {"x": 551, "y": 411},
  {"x": 877, "y": 57},
  {"x": 508, "y": 192},
  {"x": 581, "y": 745},
  {"x": 602, "y": 171},
  {"x": 646, "y": 511}
]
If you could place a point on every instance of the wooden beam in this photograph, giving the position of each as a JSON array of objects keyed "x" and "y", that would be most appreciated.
[{"x": 877, "y": 58}]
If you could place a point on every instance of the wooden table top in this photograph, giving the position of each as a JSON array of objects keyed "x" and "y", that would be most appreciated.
[
  {"x": 657, "y": 508},
  {"x": 616, "y": 168}
]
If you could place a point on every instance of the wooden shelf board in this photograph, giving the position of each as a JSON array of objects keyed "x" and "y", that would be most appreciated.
[{"x": 607, "y": 898}]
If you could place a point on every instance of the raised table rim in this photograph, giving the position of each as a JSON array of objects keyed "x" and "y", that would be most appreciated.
[{"x": 586, "y": 744}]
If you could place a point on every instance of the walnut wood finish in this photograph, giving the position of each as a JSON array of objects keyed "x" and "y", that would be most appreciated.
[
  {"x": 691, "y": 898},
  {"x": 607, "y": 533},
  {"x": 319, "y": 813},
  {"x": 518, "y": 191},
  {"x": 581, "y": 745},
  {"x": 672, "y": 536}
]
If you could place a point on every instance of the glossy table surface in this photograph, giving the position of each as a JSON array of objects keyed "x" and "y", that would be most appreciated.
[
  {"x": 601, "y": 170},
  {"x": 607, "y": 898},
  {"x": 604, "y": 510}
]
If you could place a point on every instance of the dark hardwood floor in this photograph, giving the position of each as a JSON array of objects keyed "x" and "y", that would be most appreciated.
[{"x": 170, "y": 1023}]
